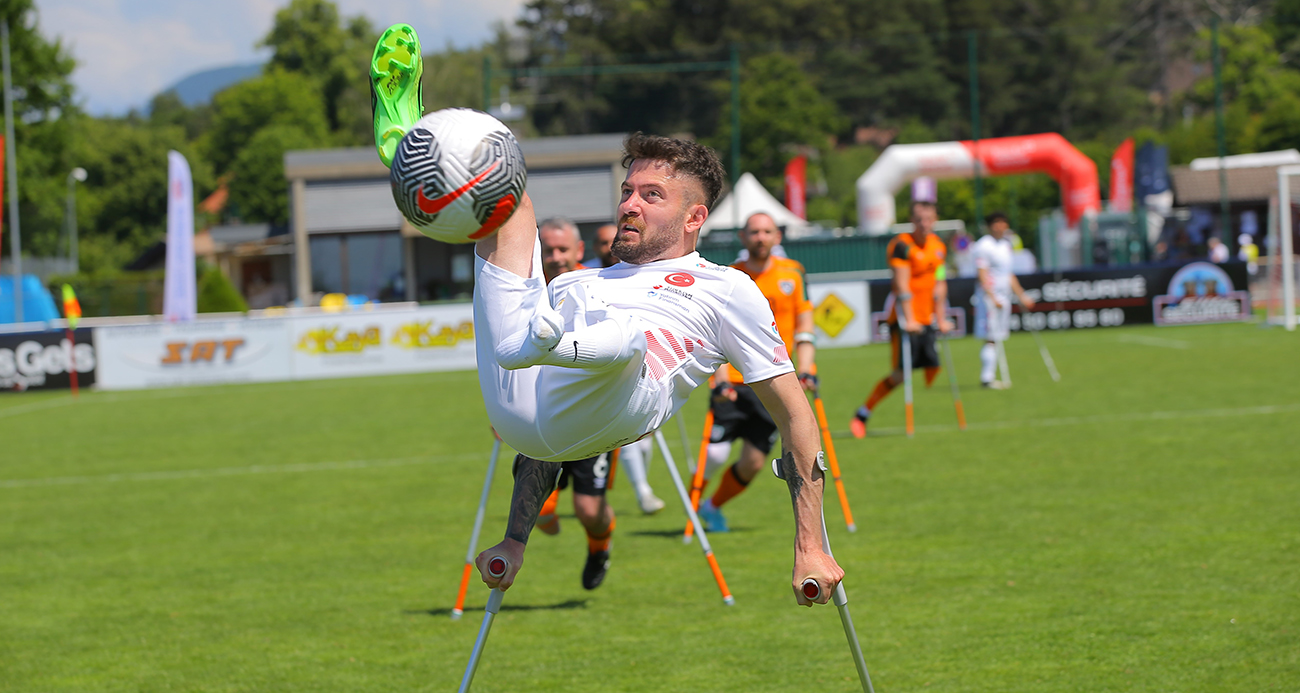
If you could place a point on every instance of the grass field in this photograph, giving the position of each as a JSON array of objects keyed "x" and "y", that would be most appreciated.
[{"x": 1134, "y": 527}]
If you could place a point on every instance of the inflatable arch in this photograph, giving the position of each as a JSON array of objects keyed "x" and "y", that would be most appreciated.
[{"x": 1047, "y": 153}]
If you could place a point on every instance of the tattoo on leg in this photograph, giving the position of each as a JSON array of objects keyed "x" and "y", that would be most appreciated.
[
  {"x": 793, "y": 479},
  {"x": 534, "y": 481}
]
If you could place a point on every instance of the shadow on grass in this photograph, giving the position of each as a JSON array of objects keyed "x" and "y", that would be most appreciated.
[{"x": 571, "y": 604}]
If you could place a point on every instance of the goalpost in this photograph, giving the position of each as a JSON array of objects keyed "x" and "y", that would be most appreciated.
[{"x": 1281, "y": 254}]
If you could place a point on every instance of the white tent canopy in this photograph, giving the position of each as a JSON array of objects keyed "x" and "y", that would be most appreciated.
[{"x": 748, "y": 197}]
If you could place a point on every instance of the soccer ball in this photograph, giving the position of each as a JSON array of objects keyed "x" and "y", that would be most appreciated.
[{"x": 458, "y": 175}]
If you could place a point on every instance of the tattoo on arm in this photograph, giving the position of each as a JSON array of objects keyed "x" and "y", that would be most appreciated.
[
  {"x": 793, "y": 479},
  {"x": 534, "y": 481}
]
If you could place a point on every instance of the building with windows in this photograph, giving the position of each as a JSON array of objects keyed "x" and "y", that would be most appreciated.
[{"x": 348, "y": 236}]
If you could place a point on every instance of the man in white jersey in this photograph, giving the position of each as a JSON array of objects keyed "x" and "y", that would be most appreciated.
[
  {"x": 993, "y": 255},
  {"x": 604, "y": 357}
]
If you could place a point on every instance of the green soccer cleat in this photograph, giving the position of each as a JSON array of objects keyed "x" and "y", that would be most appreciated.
[{"x": 395, "y": 93}]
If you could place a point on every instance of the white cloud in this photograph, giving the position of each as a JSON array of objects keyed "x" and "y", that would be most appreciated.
[{"x": 128, "y": 50}]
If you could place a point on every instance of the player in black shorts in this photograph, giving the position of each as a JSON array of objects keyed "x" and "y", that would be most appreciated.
[
  {"x": 561, "y": 252},
  {"x": 925, "y": 348},
  {"x": 588, "y": 478},
  {"x": 744, "y": 418}
]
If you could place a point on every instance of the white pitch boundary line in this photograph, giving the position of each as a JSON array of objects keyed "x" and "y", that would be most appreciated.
[
  {"x": 1155, "y": 341},
  {"x": 35, "y": 406},
  {"x": 169, "y": 475},
  {"x": 1106, "y": 418},
  {"x": 186, "y": 391}
]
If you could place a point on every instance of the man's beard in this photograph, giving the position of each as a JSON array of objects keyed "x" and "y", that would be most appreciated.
[{"x": 651, "y": 247}]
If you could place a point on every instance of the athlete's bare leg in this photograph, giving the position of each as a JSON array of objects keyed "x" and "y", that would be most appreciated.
[
  {"x": 751, "y": 462},
  {"x": 593, "y": 512}
]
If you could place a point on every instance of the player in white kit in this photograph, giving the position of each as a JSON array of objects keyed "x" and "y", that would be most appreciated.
[
  {"x": 604, "y": 357},
  {"x": 993, "y": 257}
]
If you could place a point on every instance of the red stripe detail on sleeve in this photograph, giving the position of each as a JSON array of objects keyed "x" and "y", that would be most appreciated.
[
  {"x": 658, "y": 350},
  {"x": 672, "y": 342}
]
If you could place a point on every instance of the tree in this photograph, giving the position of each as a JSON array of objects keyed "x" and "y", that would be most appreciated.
[
  {"x": 217, "y": 295},
  {"x": 1252, "y": 69},
  {"x": 258, "y": 189},
  {"x": 454, "y": 79},
  {"x": 310, "y": 38},
  {"x": 779, "y": 107},
  {"x": 122, "y": 206},
  {"x": 43, "y": 106},
  {"x": 276, "y": 98},
  {"x": 167, "y": 109}
]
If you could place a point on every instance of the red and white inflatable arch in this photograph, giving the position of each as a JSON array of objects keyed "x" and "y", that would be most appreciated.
[{"x": 1047, "y": 153}]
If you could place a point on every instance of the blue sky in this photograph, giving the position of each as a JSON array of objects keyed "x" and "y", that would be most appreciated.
[{"x": 128, "y": 50}]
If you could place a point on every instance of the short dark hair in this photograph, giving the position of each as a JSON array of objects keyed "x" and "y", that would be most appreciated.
[
  {"x": 690, "y": 158},
  {"x": 922, "y": 203},
  {"x": 997, "y": 216}
]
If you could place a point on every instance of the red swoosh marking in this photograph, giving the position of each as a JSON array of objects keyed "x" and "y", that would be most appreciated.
[{"x": 437, "y": 204}]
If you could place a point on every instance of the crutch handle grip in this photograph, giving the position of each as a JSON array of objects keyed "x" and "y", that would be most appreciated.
[
  {"x": 498, "y": 566},
  {"x": 811, "y": 589}
]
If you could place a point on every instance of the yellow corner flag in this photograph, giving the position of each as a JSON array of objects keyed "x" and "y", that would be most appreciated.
[{"x": 71, "y": 308}]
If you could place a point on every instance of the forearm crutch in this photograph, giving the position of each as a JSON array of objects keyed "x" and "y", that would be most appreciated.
[
  {"x": 695, "y": 519},
  {"x": 496, "y": 568},
  {"x": 459, "y": 609},
  {"x": 905, "y": 344},
  {"x": 686, "y": 443},
  {"x": 952, "y": 380},
  {"x": 1003, "y": 371},
  {"x": 813, "y": 591},
  {"x": 613, "y": 468},
  {"x": 697, "y": 481},
  {"x": 835, "y": 464},
  {"x": 1047, "y": 357}
]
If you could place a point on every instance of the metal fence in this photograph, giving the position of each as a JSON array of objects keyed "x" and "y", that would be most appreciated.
[
  {"x": 1109, "y": 239},
  {"x": 818, "y": 255}
]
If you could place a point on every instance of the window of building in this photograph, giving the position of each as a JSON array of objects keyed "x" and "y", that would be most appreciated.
[{"x": 368, "y": 264}]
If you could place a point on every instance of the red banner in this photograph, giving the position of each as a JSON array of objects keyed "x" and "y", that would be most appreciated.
[
  {"x": 796, "y": 177},
  {"x": 1121, "y": 178}
]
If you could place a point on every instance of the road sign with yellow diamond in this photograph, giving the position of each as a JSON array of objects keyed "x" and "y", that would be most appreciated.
[{"x": 832, "y": 315}]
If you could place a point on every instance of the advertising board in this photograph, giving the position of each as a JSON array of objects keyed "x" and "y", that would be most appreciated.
[
  {"x": 41, "y": 360},
  {"x": 170, "y": 354},
  {"x": 840, "y": 312},
  {"x": 1191, "y": 293},
  {"x": 434, "y": 338}
]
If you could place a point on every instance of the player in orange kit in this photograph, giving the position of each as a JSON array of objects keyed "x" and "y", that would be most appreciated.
[
  {"x": 737, "y": 413},
  {"x": 920, "y": 291}
]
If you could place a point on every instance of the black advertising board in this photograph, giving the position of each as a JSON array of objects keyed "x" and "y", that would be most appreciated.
[
  {"x": 1184, "y": 294},
  {"x": 40, "y": 360}
]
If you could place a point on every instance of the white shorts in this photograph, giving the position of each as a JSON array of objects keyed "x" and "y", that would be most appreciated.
[
  {"x": 992, "y": 324},
  {"x": 547, "y": 412}
]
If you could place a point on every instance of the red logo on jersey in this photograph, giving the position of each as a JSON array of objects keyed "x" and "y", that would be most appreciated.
[
  {"x": 680, "y": 279},
  {"x": 781, "y": 354}
]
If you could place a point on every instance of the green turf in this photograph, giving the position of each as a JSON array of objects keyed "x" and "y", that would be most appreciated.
[{"x": 1131, "y": 528}]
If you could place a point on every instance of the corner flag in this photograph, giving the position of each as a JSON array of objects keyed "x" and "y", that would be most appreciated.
[{"x": 71, "y": 308}]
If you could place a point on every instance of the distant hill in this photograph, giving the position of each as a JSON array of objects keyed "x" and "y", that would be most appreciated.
[{"x": 199, "y": 87}]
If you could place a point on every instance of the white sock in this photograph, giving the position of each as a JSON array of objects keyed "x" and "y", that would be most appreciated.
[
  {"x": 988, "y": 362},
  {"x": 719, "y": 453},
  {"x": 633, "y": 458},
  {"x": 593, "y": 347}
]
